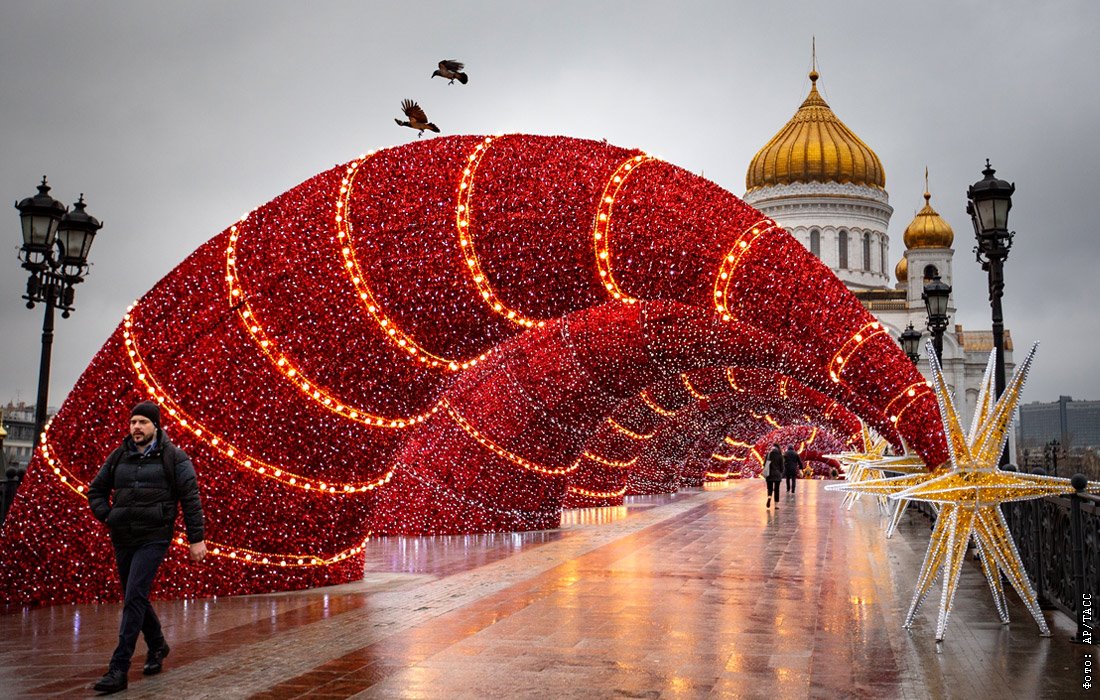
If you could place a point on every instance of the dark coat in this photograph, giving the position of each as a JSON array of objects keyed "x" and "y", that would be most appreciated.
[
  {"x": 792, "y": 464},
  {"x": 143, "y": 506},
  {"x": 773, "y": 465}
]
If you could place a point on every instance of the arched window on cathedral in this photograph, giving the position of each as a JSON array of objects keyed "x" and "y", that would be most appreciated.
[
  {"x": 882, "y": 258},
  {"x": 815, "y": 242},
  {"x": 930, "y": 271},
  {"x": 842, "y": 249},
  {"x": 866, "y": 251}
]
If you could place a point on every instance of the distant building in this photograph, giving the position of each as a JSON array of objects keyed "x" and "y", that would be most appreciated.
[
  {"x": 18, "y": 421},
  {"x": 1075, "y": 424}
]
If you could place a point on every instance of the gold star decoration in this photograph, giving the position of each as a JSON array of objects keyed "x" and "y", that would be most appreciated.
[
  {"x": 969, "y": 495},
  {"x": 868, "y": 467}
]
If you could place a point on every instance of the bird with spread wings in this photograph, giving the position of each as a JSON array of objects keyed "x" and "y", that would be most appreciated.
[
  {"x": 451, "y": 70},
  {"x": 417, "y": 119}
]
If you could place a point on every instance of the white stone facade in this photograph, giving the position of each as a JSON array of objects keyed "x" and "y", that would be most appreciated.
[{"x": 843, "y": 224}]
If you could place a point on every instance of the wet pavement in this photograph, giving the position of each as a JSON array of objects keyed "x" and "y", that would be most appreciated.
[{"x": 703, "y": 594}]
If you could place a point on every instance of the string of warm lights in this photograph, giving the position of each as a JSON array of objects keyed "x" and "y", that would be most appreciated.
[
  {"x": 463, "y": 211},
  {"x": 358, "y": 278},
  {"x": 690, "y": 389},
  {"x": 732, "y": 260},
  {"x": 618, "y": 493},
  {"x": 496, "y": 449},
  {"x": 310, "y": 388},
  {"x": 601, "y": 234},
  {"x": 659, "y": 410},
  {"x": 220, "y": 443},
  {"x": 627, "y": 432}
]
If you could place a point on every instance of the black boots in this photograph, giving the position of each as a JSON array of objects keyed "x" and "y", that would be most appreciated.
[
  {"x": 113, "y": 682},
  {"x": 154, "y": 660}
]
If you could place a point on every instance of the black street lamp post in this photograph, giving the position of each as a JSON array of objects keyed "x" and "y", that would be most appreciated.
[
  {"x": 55, "y": 253},
  {"x": 1052, "y": 453},
  {"x": 990, "y": 200},
  {"x": 936, "y": 297},
  {"x": 910, "y": 342}
]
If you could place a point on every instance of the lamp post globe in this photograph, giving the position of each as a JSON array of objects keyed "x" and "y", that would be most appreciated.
[
  {"x": 39, "y": 216},
  {"x": 937, "y": 296},
  {"x": 910, "y": 343}
]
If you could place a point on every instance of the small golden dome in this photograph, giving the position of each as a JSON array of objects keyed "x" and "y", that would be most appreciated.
[
  {"x": 901, "y": 272},
  {"x": 815, "y": 146},
  {"x": 928, "y": 229}
]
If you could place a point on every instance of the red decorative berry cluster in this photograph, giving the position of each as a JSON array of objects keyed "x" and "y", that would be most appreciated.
[{"x": 461, "y": 335}]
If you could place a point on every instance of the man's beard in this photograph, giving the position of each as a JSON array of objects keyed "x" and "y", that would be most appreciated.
[{"x": 146, "y": 441}]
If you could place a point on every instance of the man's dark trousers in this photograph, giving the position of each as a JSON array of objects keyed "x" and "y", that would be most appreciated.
[{"x": 137, "y": 566}]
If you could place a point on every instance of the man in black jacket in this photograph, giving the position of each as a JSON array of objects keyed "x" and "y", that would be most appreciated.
[
  {"x": 150, "y": 478},
  {"x": 792, "y": 467}
]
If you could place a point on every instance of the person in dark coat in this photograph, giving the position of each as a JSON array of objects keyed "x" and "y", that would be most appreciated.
[
  {"x": 792, "y": 467},
  {"x": 137, "y": 493},
  {"x": 773, "y": 473}
]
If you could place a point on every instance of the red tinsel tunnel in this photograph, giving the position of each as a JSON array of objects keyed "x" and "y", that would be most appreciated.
[{"x": 458, "y": 335}]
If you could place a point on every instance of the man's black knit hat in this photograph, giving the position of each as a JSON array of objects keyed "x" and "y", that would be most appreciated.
[{"x": 147, "y": 409}]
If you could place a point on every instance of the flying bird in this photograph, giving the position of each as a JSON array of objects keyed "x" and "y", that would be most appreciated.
[
  {"x": 417, "y": 119},
  {"x": 452, "y": 70}
]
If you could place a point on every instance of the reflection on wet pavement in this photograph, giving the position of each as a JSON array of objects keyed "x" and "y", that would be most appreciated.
[{"x": 706, "y": 593}]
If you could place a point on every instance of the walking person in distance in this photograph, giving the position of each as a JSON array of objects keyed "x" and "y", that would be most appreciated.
[
  {"x": 792, "y": 467},
  {"x": 773, "y": 473}
]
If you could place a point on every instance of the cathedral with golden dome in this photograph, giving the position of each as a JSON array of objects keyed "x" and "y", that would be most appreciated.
[{"x": 827, "y": 188}]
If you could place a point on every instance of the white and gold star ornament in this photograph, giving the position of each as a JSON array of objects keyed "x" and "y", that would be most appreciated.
[
  {"x": 868, "y": 466},
  {"x": 969, "y": 495}
]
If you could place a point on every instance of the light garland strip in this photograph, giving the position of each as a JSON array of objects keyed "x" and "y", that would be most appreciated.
[
  {"x": 355, "y": 272},
  {"x": 444, "y": 492},
  {"x": 730, "y": 262},
  {"x": 248, "y": 556},
  {"x": 601, "y": 233},
  {"x": 808, "y": 441},
  {"x": 596, "y": 494},
  {"x": 756, "y": 454},
  {"x": 909, "y": 395},
  {"x": 774, "y": 422},
  {"x": 724, "y": 458},
  {"x": 690, "y": 389},
  {"x": 463, "y": 209},
  {"x": 217, "y": 442},
  {"x": 238, "y": 301},
  {"x": 732, "y": 381},
  {"x": 735, "y": 443},
  {"x": 611, "y": 463},
  {"x": 844, "y": 354},
  {"x": 653, "y": 405},
  {"x": 628, "y": 432},
  {"x": 716, "y": 475},
  {"x": 503, "y": 452}
]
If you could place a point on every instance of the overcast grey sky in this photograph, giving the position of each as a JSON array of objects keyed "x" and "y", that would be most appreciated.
[{"x": 176, "y": 118}]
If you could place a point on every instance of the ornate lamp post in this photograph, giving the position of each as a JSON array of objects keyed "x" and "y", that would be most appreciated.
[
  {"x": 910, "y": 342},
  {"x": 936, "y": 296},
  {"x": 990, "y": 200},
  {"x": 55, "y": 253}
]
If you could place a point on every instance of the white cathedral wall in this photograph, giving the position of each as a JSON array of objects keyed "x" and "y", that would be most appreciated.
[{"x": 831, "y": 208}]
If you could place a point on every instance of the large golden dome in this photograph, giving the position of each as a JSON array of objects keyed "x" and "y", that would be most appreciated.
[
  {"x": 815, "y": 146},
  {"x": 928, "y": 229},
  {"x": 901, "y": 272}
]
